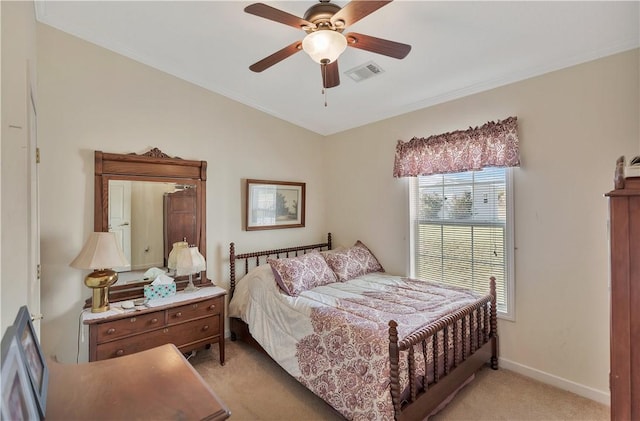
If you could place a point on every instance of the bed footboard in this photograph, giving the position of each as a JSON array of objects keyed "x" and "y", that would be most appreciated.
[{"x": 441, "y": 356}]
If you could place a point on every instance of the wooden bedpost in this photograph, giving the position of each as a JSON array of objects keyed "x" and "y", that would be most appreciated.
[
  {"x": 232, "y": 269},
  {"x": 494, "y": 325},
  {"x": 329, "y": 241},
  {"x": 394, "y": 375}
]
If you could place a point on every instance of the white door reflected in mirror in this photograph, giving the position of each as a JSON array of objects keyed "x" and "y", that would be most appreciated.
[
  {"x": 120, "y": 217},
  {"x": 137, "y": 212}
]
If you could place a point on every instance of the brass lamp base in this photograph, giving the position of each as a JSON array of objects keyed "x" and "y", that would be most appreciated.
[{"x": 100, "y": 281}]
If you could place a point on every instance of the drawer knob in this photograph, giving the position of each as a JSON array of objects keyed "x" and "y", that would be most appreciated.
[
  {"x": 212, "y": 307},
  {"x": 166, "y": 330},
  {"x": 179, "y": 314},
  {"x": 132, "y": 320},
  {"x": 110, "y": 331},
  {"x": 195, "y": 305},
  {"x": 205, "y": 327},
  {"x": 120, "y": 352},
  {"x": 154, "y": 320}
]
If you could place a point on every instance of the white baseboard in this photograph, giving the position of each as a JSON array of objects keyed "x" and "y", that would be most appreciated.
[{"x": 559, "y": 382}]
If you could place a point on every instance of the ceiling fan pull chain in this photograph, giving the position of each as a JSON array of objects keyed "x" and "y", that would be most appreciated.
[{"x": 323, "y": 64}]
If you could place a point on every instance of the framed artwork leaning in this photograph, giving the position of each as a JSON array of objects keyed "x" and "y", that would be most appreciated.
[
  {"x": 274, "y": 204},
  {"x": 18, "y": 399},
  {"x": 33, "y": 357}
]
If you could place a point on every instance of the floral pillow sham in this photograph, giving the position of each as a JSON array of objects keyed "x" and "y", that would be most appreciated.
[
  {"x": 297, "y": 274},
  {"x": 352, "y": 262}
]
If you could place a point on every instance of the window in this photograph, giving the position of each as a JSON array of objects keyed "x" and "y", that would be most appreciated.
[{"x": 462, "y": 231}]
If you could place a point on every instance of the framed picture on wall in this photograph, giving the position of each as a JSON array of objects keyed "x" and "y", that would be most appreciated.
[
  {"x": 274, "y": 204},
  {"x": 35, "y": 362}
]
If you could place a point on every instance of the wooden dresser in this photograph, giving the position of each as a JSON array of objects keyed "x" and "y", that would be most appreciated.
[
  {"x": 624, "y": 212},
  {"x": 187, "y": 320}
]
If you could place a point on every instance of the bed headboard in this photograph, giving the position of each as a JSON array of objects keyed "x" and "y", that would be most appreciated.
[{"x": 277, "y": 253}]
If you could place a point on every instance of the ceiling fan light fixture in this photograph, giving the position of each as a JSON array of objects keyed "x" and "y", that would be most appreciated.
[{"x": 323, "y": 45}]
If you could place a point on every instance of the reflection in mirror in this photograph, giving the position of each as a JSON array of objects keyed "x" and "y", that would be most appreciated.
[
  {"x": 147, "y": 218},
  {"x": 151, "y": 234}
]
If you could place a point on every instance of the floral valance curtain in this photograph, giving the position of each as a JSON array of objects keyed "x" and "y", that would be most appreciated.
[{"x": 491, "y": 145}]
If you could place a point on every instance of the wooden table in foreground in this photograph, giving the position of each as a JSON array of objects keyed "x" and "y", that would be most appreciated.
[{"x": 156, "y": 384}]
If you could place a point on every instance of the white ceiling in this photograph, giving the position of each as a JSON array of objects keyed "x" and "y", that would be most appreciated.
[{"x": 458, "y": 48}]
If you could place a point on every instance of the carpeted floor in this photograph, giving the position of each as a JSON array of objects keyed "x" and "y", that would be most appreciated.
[{"x": 255, "y": 388}]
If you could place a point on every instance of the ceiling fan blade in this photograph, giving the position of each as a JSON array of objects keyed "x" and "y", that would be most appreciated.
[
  {"x": 276, "y": 57},
  {"x": 277, "y": 15},
  {"x": 330, "y": 75},
  {"x": 378, "y": 45},
  {"x": 356, "y": 10}
]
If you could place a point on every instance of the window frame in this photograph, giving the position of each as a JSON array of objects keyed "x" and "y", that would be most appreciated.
[{"x": 509, "y": 252}]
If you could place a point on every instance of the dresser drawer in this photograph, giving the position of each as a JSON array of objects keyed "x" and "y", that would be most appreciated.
[
  {"x": 131, "y": 325},
  {"x": 189, "y": 325},
  {"x": 184, "y": 333},
  {"x": 195, "y": 330},
  {"x": 209, "y": 307}
]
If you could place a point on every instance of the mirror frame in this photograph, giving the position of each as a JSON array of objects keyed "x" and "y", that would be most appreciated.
[{"x": 153, "y": 165}]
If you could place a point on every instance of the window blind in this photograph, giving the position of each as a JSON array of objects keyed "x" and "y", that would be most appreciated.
[{"x": 461, "y": 230}]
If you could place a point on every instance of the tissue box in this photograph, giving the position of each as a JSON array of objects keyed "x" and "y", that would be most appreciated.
[{"x": 159, "y": 291}]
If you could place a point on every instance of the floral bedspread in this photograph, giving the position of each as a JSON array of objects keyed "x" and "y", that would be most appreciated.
[
  {"x": 334, "y": 338},
  {"x": 345, "y": 360}
]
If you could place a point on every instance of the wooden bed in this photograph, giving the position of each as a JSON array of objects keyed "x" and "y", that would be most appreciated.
[{"x": 450, "y": 367}]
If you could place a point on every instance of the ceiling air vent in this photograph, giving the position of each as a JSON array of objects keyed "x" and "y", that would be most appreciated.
[{"x": 365, "y": 71}]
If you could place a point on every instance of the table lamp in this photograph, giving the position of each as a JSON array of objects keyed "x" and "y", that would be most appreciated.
[
  {"x": 189, "y": 261},
  {"x": 100, "y": 252},
  {"x": 173, "y": 254}
]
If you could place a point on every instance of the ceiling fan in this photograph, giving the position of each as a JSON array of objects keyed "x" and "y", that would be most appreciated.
[{"x": 324, "y": 23}]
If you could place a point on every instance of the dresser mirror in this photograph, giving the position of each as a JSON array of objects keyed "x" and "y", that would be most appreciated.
[{"x": 150, "y": 201}]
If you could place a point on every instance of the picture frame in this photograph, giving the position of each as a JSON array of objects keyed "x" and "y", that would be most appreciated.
[
  {"x": 33, "y": 357},
  {"x": 274, "y": 204},
  {"x": 17, "y": 396}
]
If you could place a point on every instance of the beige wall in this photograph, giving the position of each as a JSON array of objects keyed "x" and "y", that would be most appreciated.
[
  {"x": 94, "y": 99},
  {"x": 573, "y": 124},
  {"x": 18, "y": 72}
]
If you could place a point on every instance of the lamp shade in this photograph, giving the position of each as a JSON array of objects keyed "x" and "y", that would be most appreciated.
[
  {"x": 189, "y": 261},
  {"x": 324, "y": 44},
  {"x": 101, "y": 251},
  {"x": 173, "y": 254}
]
